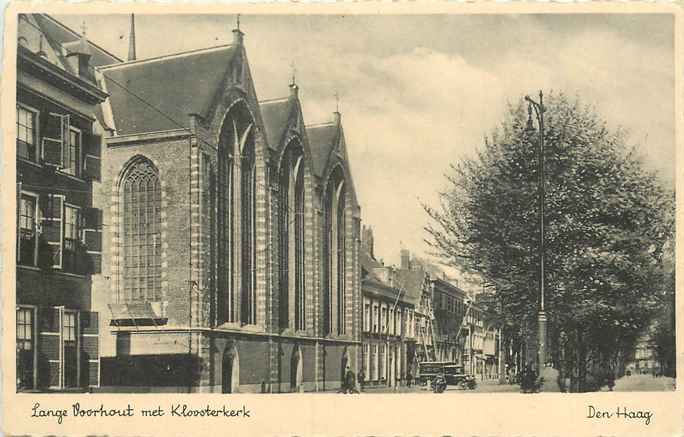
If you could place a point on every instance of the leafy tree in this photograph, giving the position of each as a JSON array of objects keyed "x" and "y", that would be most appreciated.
[
  {"x": 663, "y": 333},
  {"x": 606, "y": 222}
]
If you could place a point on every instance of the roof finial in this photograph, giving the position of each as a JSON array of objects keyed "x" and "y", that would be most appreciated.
[
  {"x": 337, "y": 102},
  {"x": 293, "y": 69},
  {"x": 131, "y": 40},
  {"x": 237, "y": 33},
  {"x": 83, "y": 48}
]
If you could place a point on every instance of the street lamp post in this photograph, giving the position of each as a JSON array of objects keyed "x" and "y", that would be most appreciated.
[{"x": 541, "y": 315}]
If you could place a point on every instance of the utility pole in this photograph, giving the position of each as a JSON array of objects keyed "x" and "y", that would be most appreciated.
[
  {"x": 502, "y": 376},
  {"x": 541, "y": 315}
]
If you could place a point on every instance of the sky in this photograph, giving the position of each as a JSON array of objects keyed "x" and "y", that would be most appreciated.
[{"x": 420, "y": 92}]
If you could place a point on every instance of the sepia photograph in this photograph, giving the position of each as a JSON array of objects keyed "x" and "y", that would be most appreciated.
[{"x": 345, "y": 203}]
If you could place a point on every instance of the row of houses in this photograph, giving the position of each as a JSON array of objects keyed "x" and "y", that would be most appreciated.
[{"x": 413, "y": 313}]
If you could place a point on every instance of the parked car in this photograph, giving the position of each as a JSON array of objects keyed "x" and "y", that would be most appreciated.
[{"x": 437, "y": 375}]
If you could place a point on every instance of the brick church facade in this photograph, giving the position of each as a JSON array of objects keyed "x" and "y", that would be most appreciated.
[{"x": 230, "y": 249}]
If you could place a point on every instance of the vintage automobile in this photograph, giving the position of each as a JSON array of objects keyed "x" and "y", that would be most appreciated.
[{"x": 437, "y": 375}]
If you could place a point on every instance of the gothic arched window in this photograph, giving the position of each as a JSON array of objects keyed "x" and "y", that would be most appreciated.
[
  {"x": 237, "y": 201},
  {"x": 334, "y": 249},
  {"x": 340, "y": 258},
  {"x": 142, "y": 233},
  {"x": 291, "y": 232},
  {"x": 248, "y": 196},
  {"x": 225, "y": 264}
]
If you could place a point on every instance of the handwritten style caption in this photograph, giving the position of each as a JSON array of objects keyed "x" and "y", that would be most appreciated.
[{"x": 175, "y": 410}]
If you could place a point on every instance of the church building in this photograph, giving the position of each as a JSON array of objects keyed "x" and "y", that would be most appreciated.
[{"x": 231, "y": 232}]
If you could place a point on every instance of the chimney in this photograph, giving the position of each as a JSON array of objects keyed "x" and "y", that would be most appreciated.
[
  {"x": 79, "y": 58},
  {"x": 41, "y": 52},
  {"x": 131, "y": 40},
  {"x": 367, "y": 240},
  {"x": 405, "y": 259}
]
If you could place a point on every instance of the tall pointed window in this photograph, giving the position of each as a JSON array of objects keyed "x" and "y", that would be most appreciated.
[
  {"x": 236, "y": 233},
  {"x": 334, "y": 249},
  {"x": 292, "y": 291},
  {"x": 248, "y": 190},
  {"x": 226, "y": 263},
  {"x": 340, "y": 229},
  {"x": 300, "y": 290},
  {"x": 142, "y": 233}
]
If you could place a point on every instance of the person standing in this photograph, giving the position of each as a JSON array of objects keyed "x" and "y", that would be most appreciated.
[{"x": 350, "y": 381}]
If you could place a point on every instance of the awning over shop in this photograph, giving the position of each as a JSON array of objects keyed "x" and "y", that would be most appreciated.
[{"x": 136, "y": 314}]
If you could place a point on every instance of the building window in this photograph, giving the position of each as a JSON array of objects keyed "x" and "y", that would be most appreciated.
[
  {"x": 248, "y": 191},
  {"x": 26, "y": 133},
  {"x": 25, "y": 329},
  {"x": 69, "y": 330},
  {"x": 366, "y": 317},
  {"x": 72, "y": 153},
  {"x": 366, "y": 361},
  {"x": 341, "y": 258},
  {"x": 226, "y": 196},
  {"x": 142, "y": 233},
  {"x": 292, "y": 279},
  {"x": 70, "y": 350},
  {"x": 27, "y": 231},
  {"x": 383, "y": 363},
  {"x": 376, "y": 318},
  {"x": 71, "y": 238},
  {"x": 374, "y": 362},
  {"x": 391, "y": 321},
  {"x": 334, "y": 250},
  {"x": 300, "y": 289},
  {"x": 25, "y": 348}
]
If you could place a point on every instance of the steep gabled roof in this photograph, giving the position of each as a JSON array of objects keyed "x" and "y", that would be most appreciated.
[
  {"x": 322, "y": 138},
  {"x": 159, "y": 94},
  {"x": 275, "y": 115},
  {"x": 368, "y": 262},
  {"x": 412, "y": 281},
  {"x": 58, "y": 33}
]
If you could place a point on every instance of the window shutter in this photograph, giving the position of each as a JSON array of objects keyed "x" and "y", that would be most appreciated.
[
  {"x": 49, "y": 345},
  {"x": 89, "y": 322},
  {"x": 53, "y": 140},
  {"x": 66, "y": 139},
  {"x": 90, "y": 353},
  {"x": 52, "y": 210},
  {"x": 53, "y": 126},
  {"x": 92, "y": 238},
  {"x": 93, "y": 150}
]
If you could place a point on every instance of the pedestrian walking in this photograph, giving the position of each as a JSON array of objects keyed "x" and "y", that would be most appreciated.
[
  {"x": 350, "y": 381},
  {"x": 362, "y": 379}
]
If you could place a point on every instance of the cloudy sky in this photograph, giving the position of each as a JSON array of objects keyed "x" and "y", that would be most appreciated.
[{"x": 418, "y": 92}]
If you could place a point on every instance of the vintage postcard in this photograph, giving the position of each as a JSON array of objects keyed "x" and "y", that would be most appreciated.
[{"x": 369, "y": 219}]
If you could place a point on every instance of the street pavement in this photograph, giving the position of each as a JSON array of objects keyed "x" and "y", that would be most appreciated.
[
  {"x": 488, "y": 386},
  {"x": 643, "y": 383},
  {"x": 626, "y": 383}
]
